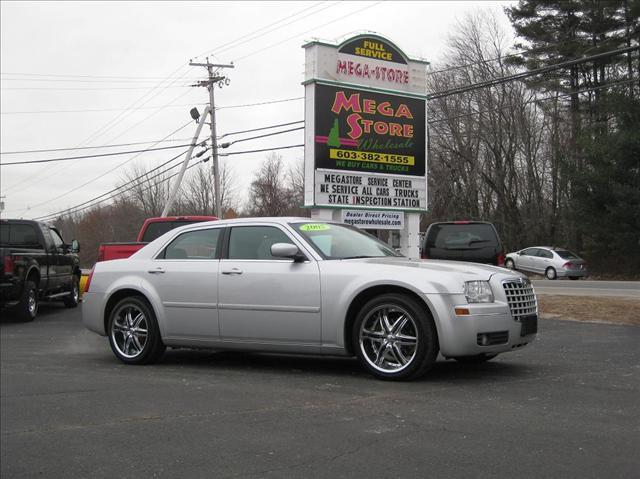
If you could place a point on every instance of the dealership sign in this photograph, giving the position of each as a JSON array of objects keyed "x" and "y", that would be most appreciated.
[
  {"x": 374, "y": 220},
  {"x": 365, "y": 126}
]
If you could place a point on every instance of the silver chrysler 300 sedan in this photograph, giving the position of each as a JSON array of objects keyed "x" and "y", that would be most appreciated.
[{"x": 295, "y": 285}]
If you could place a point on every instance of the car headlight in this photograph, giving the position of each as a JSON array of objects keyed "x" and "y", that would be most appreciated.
[{"x": 478, "y": 292}]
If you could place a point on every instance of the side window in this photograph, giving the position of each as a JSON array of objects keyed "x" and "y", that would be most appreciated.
[
  {"x": 200, "y": 244},
  {"x": 254, "y": 242},
  {"x": 57, "y": 240},
  {"x": 529, "y": 252},
  {"x": 543, "y": 253}
]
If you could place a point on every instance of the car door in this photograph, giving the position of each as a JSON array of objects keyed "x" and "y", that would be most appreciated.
[
  {"x": 49, "y": 275},
  {"x": 267, "y": 299},
  {"x": 544, "y": 259},
  {"x": 185, "y": 276},
  {"x": 63, "y": 260},
  {"x": 525, "y": 260}
]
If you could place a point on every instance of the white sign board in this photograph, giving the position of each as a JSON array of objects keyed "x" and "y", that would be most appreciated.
[
  {"x": 374, "y": 220},
  {"x": 370, "y": 190}
]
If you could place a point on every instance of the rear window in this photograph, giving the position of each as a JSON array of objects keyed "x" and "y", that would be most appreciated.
[
  {"x": 155, "y": 230},
  {"x": 461, "y": 236},
  {"x": 564, "y": 254},
  {"x": 18, "y": 235}
]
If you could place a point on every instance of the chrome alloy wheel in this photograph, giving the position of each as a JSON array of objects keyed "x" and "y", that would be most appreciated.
[
  {"x": 389, "y": 338},
  {"x": 75, "y": 294},
  {"x": 129, "y": 331},
  {"x": 32, "y": 303}
]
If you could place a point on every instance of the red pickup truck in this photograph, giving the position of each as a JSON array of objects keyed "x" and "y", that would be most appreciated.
[{"x": 151, "y": 229}]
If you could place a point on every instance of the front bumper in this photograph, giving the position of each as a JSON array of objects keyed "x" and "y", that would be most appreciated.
[{"x": 488, "y": 328}]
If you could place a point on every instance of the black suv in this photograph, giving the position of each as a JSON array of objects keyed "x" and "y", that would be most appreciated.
[{"x": 475, "y": 241}]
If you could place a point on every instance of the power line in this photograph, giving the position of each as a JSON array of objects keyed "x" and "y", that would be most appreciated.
[
  {"x": 526, "y": 74},
  {"x": 88, "y": 147},
  {"x": 123, "y": 186},
  {"x": 256, "y": 34},
  {"x": 255, "y": 52},
  {"x": 535, "y": 100},
  {"x": 226, "y": 145},
  {"x": 100, "y": 155},
  {"x": 90, "y": 89},
  {"x": 261, "y": 150},
  {"x": 258, "y": 129},
  {"x": 260, "y": 103},
  {"x": 512, "y": 55},
  {"x": 103, "y": 174},
  {"x": 92, "y": 110},
  {"x": 57, "y": 75}
]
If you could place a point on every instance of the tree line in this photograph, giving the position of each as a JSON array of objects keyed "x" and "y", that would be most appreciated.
[{"x": 553, "y": 160}]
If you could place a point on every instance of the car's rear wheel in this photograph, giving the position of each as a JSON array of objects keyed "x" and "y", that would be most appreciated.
[
  {"x": 550, "y": 273},
  {"x": 73, "y": 299},
  {"x": 134, "y": 335},
  {"x": 477, "y": 359},
  {"x": 395, "y": 337},
  {"x": 509, "y": 264},
  {"x": 27, "y": 308}
]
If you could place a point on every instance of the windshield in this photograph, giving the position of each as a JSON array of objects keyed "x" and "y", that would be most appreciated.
[{"x": 336, "y": 241}]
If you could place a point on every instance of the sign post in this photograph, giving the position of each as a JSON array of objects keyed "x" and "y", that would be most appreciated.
[{"x": 365, "y": 136}]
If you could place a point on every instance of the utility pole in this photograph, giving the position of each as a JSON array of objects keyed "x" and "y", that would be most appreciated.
[{"x": 210, "y": 83}]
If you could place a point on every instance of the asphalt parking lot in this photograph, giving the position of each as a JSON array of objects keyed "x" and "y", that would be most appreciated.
[{"x": 567, "y": 406}]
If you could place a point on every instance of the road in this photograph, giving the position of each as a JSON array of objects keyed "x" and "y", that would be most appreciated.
[
  {"x": 627, "y": 289},
  {"x": 566, "y": 406}
]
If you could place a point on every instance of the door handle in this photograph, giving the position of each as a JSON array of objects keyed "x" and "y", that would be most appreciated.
[
  {"x": 232, "y": 271},
  {"x": 156, "y": 271}
]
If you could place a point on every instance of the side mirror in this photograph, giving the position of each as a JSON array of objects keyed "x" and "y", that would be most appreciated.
[
  {"x": 75, "y": 246},
  {"x": 286, "y": 250}
]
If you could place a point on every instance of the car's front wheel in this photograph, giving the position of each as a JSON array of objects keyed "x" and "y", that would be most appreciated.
[
  {"x": 395, "y": 337},
  {"x": 134, "y": 335},
  {"x": 509, "y": 264}
]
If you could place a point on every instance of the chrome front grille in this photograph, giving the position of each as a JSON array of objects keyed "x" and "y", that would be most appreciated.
[{"x": 521, "y": 298}]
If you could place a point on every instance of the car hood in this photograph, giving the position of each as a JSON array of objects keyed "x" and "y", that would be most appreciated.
[{"x": 459, "y": 269}]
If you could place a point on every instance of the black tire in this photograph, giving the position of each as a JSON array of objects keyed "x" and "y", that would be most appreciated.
[
  {"x": 412, "y": 344},
  {"x": 27, "y": 308},
  {"x": 550, "y": 273},
  {"x": 73, "y": 299},
  {"x": 126, "y": 337},
  {"x": 509, "y": 264},
  {"x": 477, "y": 359}
]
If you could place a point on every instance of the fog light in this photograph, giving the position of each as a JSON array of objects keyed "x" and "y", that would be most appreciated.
[{"x": 484, "y": 339}]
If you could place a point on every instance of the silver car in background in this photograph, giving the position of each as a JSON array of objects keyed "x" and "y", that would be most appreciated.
[
  {"x": 295, "y": 285},
  {"x": 551, "y": 262}
]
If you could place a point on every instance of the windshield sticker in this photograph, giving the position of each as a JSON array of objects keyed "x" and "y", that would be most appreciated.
[{"x": 315, "y": 227}]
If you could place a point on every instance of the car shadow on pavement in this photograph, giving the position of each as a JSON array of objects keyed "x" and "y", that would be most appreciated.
[
  {"x": 45, "y": 310},
  {"x": 230, "y": 361}
]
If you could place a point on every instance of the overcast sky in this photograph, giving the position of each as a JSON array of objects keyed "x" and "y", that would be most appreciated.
[{"x": 78, "y": 74}]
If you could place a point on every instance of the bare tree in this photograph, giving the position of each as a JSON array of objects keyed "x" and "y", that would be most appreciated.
[
  {"x": 198, "y": 193},
  {"x": 276, "y": 192}
]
